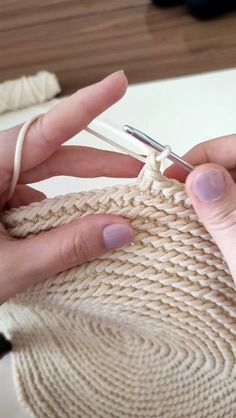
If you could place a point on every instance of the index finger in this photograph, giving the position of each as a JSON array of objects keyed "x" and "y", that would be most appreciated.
[
  {"x": 220, "y": 151},
  {"x": 60, "y": 123}
]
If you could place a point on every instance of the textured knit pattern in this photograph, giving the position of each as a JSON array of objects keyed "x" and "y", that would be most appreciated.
[{"x": 148, "y": 331}]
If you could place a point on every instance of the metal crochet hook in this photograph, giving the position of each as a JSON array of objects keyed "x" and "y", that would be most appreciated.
[{"x": 156, "y": 145}]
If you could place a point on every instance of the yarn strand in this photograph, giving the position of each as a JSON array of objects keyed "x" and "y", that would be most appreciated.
[
  {"x": 18, "y": 155},
  {"x": 21, "y": 137}
]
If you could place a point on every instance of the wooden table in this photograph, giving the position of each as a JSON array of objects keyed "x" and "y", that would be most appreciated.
[{"x": 84, "y": 40}]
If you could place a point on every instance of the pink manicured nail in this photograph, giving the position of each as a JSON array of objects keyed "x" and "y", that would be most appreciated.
[
  {"x": 117, "y": 235},
  {"x": 209, "y": 185}
]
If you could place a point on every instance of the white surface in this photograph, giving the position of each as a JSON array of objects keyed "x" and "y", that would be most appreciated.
[{"x": 179, "y": 112}]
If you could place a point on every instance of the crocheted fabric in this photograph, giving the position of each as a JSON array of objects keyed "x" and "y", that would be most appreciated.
[{"x": 147, "y": 331}]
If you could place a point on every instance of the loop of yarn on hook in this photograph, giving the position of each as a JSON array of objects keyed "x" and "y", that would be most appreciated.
[{"x": 154, "y": 159}]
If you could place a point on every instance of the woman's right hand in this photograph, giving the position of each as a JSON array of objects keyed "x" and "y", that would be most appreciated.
[{"x": 211, "y": 186}]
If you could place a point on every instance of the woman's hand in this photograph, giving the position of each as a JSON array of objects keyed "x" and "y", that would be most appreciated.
[
  {"x": 212, "y": 189},
  {"x": 24, "y": 262}
]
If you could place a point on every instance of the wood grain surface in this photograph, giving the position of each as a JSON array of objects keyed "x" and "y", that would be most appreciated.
[{"x": 84, "y": 40}]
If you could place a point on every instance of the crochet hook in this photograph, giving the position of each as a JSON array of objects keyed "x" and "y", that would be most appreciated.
[{"x": 141, "y": 136}]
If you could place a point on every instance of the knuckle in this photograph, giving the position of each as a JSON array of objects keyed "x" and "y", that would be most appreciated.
[
  {"x": 74, "y": 251},
  {"x": 223, "y": 220},
  {"x": 49, "y": 168},
  {"x": 7, "y": 265},
  {"x": 43, "y": 133},
  {"x": 88, "y": 110}
]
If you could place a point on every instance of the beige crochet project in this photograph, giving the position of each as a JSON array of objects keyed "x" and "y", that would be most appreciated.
[{"x": 148, "y": 331}]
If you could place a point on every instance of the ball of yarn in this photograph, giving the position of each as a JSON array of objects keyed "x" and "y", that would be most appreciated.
[{"x": 27, "y": 91}]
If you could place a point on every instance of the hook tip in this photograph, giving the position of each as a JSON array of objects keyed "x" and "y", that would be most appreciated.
[{"x": 128, "y": 129}]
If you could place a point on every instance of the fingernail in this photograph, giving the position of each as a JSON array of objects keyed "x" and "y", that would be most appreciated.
[
  {"x": 119, "y": 72},
  {"x": 116, "y": 72},
  {"x": 209, "y": 185},
  {"x": 117, "y": 235}
]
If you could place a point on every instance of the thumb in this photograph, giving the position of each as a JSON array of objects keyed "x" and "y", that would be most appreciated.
[
  {"x": 213, "y": 194},
  {"x": 62, "y": 248}
]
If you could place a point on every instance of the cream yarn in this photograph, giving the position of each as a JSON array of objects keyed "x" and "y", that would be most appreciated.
[
  {"x": 27, "y": 91},
  {"x": 18, "y": 155},
  {"x": 147, "y": 331}
]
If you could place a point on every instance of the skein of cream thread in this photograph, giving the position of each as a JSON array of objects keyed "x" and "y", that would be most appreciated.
[{"x": 27, "y": 91}]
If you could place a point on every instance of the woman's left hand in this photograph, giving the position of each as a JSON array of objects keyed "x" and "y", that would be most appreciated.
[{"x": 24, "y": 262}]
